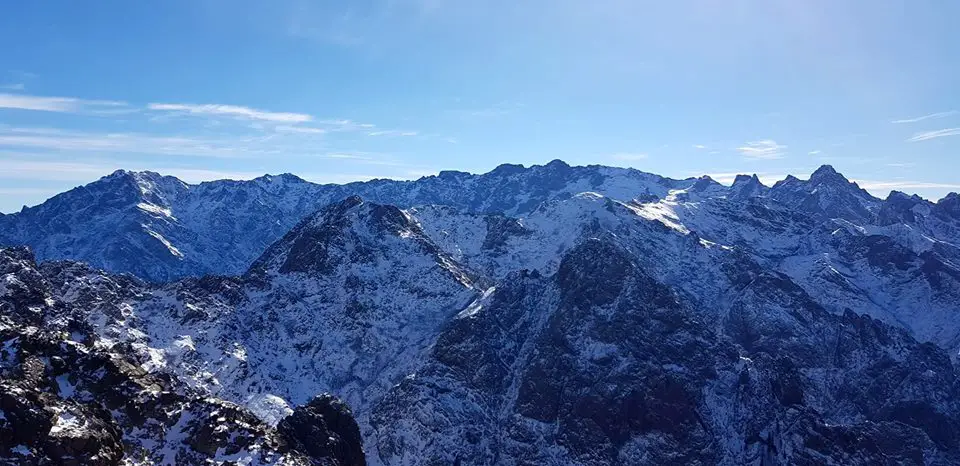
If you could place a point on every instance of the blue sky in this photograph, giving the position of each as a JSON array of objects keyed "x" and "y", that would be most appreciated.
[{"x": 342, "y": 91}]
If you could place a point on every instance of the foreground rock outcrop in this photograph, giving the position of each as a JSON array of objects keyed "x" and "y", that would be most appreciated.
[{"x": 65, "y": 399}]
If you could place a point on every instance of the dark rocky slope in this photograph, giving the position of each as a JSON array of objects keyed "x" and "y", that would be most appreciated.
[
  {"x": 601, "y": 364},
  {"x": 65, "y": 399}
]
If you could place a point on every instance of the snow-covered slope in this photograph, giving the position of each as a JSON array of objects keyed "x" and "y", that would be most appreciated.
[
  {"x": 600, "y": 363},
  {"x": 161, "y": 229},
  {"x": 543, "y": 315},
  {"x": 347, "y": 302},
  {"x": 68, "y": 397},
  {"x": 842, "y": 266}
]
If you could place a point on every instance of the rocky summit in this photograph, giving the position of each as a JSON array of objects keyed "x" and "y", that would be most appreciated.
[{"x": 531, "y": 315}]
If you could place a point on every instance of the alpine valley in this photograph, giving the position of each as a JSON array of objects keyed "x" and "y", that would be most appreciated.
[{"x": 544, "y": 315}]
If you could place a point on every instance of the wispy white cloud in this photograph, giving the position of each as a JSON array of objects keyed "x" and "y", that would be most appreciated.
[
  {"x": 901, "y": 164},
  {"x": 247, "y": 145},
  {"x": 347, "y": 156},
  {"x": 925, "y": 117},
  {"x": 13, "y": 86},
  {"x": 344, "y": 125},
  {"x": 341, "y": 125},
  {"x": 629, "y": 156},
  {"x": 26, "y": 169},
  {"x": 815, "y": 152},
  {"x": 927, "y": 135},
  {"x": 234, "y": 111},
  {"x": 880, "y": 186},
  {"x": 133, "y": 143},
  {"x": 392, "y": 133},
  {"x": 699, "y": 146},
  {"x": 766, "y": 149},
  {"x": 298, "y": 129},
  {"x": 58, "y": 104}
]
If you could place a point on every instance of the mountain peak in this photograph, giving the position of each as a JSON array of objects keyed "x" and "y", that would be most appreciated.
[
  {"x": 148, "y": 185},
  {"x": 348, "y": 231},
  {"x": 119, "y": 173},
  {"x": 132, "y": 175},
  {"x": 827, "y": 195},
  {"x": 745, "y": 186},
  {"x": 704, "y": 183},
  {"x": 122, "y": 173},
  {"x": 894, "y": 194},
  {"x": 950, "y": 204},
  {"x": 281, "y": 178},
  {"x": 557, "y": 164},
  {"x": 898, "y": 208},
  {"x": 902, "y": 196},
  {"x": 508, "y": 169},
  {"x": 349, "y": 202},
  {"x": 452, "y": 174},
  {"x": 787, "y": 181},
  {"x": 827, "y": 173},
  {"x": 746, "y": 179}
]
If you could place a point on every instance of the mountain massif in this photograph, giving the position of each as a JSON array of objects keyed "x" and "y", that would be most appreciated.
[
  {"x": 160, "y": 228},
  {"x": 543, "y": 315}
]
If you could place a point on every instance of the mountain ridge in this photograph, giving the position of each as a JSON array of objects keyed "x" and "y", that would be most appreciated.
[
  {"x": 220, "y": 227},
  {"x": 792, "y": 325}
]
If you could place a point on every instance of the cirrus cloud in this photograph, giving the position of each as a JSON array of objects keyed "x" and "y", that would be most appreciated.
[
  {"x": 235, "y": 111},
  {"x": 927, "y": 135},
  {"x": 925, "y": 117},
  {"x": 392, "y": 133},
  {"x": 58, "y": 104},
  {"x": 298, "y": 129},
  {"x": 765, "y": 149}
]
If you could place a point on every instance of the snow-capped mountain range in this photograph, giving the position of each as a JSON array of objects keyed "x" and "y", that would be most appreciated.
[
  {"x": 542, "y": 315},
  {"x": 160, "y": 228}
]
